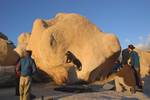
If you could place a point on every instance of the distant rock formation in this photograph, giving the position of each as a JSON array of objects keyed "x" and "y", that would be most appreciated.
[
  {"x": 3, "y": 36},
  {"x": 23, "y": 40},
  {"x": 8, "y": 58},
  {"x": 7, "y": 55},
  {"x": 51, "y": 39},
  {"x": 144, "y": 62}
]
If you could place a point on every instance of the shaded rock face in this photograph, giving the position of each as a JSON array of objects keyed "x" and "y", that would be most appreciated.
[
  {"x": 51, "y": 39},
  {"x": 126, "y": 78}
]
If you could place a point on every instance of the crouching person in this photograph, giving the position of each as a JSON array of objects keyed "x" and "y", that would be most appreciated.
[
  {"x": 117, "y": 66},
  {"x": 26, "y": 68}
]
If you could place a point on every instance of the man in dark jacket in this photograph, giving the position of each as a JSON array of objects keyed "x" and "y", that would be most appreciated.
[
  {"x": 125, "y": 56},
  {"x": 26, "y": 68}
]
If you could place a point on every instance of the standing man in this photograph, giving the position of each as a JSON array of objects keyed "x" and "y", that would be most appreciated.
[
  {"x": 134, "y": 61},
  {"x": 26, "y": 68}
]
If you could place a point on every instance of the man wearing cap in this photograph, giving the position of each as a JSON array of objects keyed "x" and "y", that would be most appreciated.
[
  {"x": 134, "y": 61},
  {"x": 26, "y": 68}
]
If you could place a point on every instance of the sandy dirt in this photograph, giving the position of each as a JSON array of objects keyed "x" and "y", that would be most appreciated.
[{"x": 46, "y": 91}]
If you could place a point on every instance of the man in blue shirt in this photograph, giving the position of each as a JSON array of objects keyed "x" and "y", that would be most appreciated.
[
  {"x": 134, "y": 61},
  {"x": 26, "y": 67}
]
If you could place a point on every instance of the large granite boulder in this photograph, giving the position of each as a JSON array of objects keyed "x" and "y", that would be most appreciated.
[
  {"x": 8, "y": 58},
  {"x": 51, "y": 39},
  {"x": 7, "y": 55}
]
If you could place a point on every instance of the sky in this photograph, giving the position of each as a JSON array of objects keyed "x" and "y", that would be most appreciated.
[{"x": 129, "y": 20}]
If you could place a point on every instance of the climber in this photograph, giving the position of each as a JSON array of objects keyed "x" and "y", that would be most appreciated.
[{"x": 71, "y": 58}]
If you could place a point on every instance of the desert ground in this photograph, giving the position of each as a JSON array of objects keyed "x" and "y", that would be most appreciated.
[{"x": 47, "y": 91}]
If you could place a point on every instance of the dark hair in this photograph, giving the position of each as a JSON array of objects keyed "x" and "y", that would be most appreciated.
[
  {"x": 131, "y": 46},
  {"x": 29, "y": 52}
]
